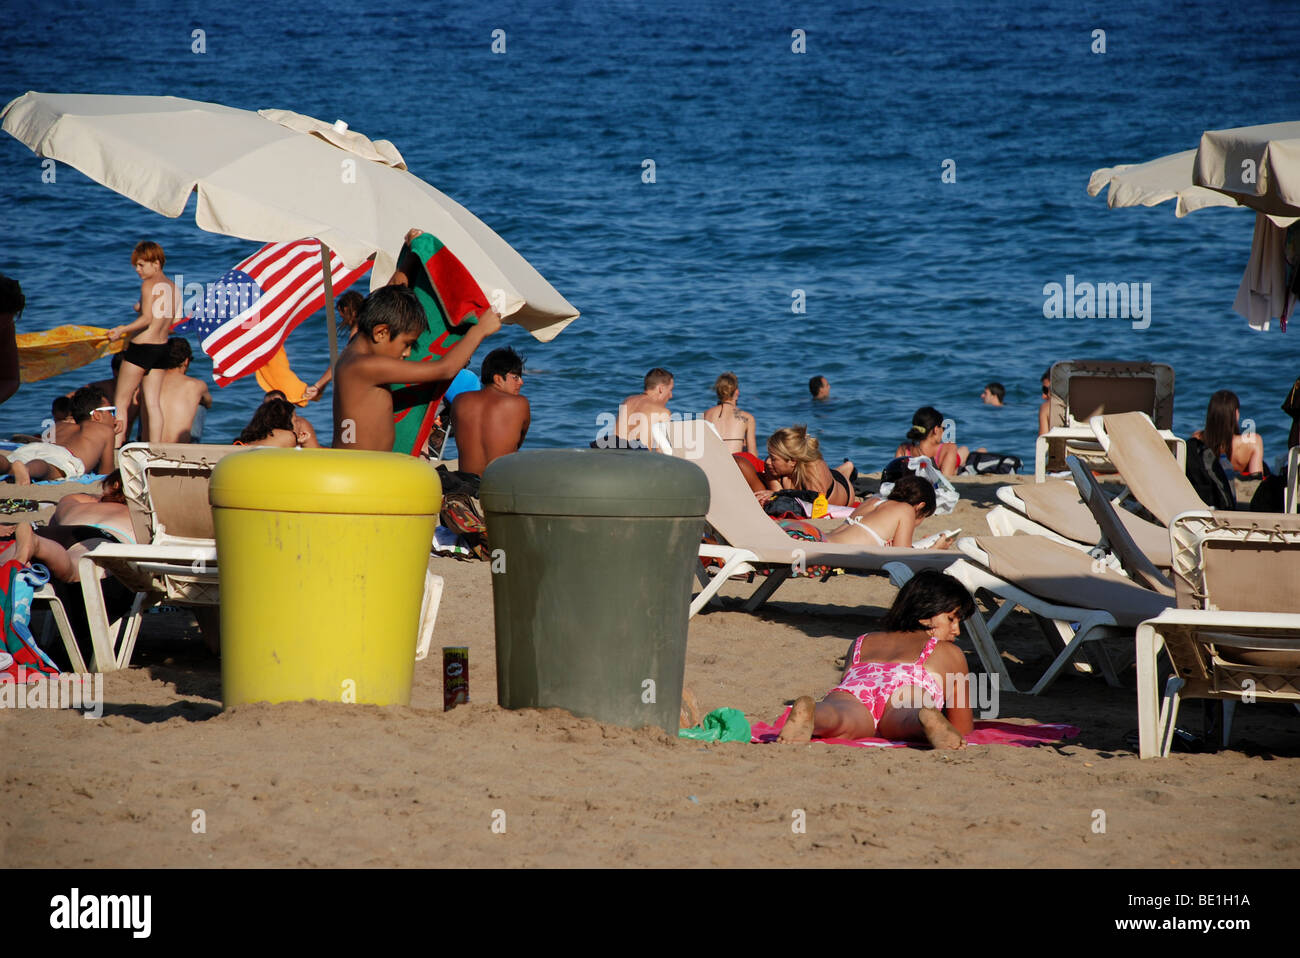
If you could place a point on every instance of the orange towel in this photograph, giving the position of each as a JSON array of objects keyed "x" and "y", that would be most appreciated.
[
  {"x": 62, "y": 349},
  {"x": 276, "y": 374}
]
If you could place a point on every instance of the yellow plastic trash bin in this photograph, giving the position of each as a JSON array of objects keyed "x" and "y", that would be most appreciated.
[{"x": 322, "y": 555}]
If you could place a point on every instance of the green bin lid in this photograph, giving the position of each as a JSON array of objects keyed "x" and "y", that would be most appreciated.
[
  {"x": 327, "y": 481},
  {"x": 594, "y": 482}
]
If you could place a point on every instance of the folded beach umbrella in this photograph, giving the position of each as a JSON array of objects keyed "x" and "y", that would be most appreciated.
[
  {"x": 1258, "y": 166},
  {"x": 275, "y": 176}
]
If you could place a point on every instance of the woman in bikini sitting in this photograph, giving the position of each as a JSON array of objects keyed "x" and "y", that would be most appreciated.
[
  {"x": 907, "y": 682},
  {"x": 925, "y": 438},
  {"x": 892, "y": 521},
  {"x": 794, "y": 461},
  {"x": 735, "y": 426},
  {"x": 1222, "y": 433}
]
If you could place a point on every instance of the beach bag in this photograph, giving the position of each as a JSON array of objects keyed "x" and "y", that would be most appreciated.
[
  {"x": 788, "y": 504},
  {"x": 991, "y": 463},
  {"x": 22, "y": 659},
  {"x": 1270, "y": 496},
  {"x": 945, "y": 496},
  {"x": 1207, "y": 476}
]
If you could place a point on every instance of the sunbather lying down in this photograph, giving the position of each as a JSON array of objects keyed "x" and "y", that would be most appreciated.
[
  {"x": 906, "y": 682},
  {"x": 892, "y": 521}
]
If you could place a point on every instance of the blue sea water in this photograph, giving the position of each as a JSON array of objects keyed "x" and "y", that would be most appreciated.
[{"x": 775, "y": 171}]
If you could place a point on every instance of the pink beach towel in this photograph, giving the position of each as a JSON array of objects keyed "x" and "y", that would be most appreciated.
[{"x": 985, "y": 733}]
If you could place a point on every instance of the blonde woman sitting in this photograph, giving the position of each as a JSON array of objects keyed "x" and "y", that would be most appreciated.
[{"x": 794, "y": 461}]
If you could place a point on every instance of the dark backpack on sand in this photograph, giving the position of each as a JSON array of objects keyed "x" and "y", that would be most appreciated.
[{"x": 1207, "y": 476}]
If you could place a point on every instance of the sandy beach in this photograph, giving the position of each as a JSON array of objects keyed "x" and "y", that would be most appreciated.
[{"x": 334, "y": 785}]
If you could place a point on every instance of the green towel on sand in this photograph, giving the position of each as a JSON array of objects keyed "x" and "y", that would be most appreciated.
[{"x": 720, "y": 725}]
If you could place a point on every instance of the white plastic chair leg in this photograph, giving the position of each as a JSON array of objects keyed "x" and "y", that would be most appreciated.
[
  {"x": 1149, "y": 643},
  {"x": 1169, "y": 713}
]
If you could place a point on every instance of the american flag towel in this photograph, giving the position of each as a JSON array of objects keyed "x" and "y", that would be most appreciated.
[
  {"x": 249, "y": 312},
  {"x": 452, "y": 301}
]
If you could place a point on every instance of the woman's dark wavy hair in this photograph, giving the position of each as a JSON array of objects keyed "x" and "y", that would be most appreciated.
[
  {"x": 927, "y": 594},
  {"x": 915, "y": 491},
  {"x": 271, "y": 415}
]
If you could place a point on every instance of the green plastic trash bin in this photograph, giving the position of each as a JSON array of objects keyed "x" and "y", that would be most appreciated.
[{"x": 593, "y": 553}]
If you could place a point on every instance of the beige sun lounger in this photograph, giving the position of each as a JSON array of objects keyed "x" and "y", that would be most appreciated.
[
  {"x": 752, "y": 539},
  {"x": 1081, "y": 389},
  {"x": 1154, "y": 477},
  {"x": 175, "y": 560},
  {"x": 1083, "y": 599},
  {"x": 1235, "y": 635},
  {"x": 1292, "y": 480},
  {"x": 1115, "y": 534},
  {"x": 1054, "y": 509}
]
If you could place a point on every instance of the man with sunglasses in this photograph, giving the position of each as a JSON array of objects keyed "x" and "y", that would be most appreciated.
[{"x": 90, "y": 446}]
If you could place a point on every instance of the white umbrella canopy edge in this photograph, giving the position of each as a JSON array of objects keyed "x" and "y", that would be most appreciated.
[
  {"x": 1155, "y": 182},
  {"x": 277, "y": 177},
  {"x": 1257, "y": 165}
]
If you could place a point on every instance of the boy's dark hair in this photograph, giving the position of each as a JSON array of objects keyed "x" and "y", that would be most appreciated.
[
  {"x": 500, "y": 362},
  {"x": 998, "y": 390},
  {"x": 351, "y": 298},
  {"x": 815, "y": 385},
  {"x": 927, "y": 594},
  {"x": 178, "y": 351},
  {"x": 60, "y": 408},
  {"x": 11, "y": 295},
  {"x": 395, "y": 307},
  {"x": 915, "y": 491},
  {"x": 923, "y": 422},
  {"x": 657, "y": 377},
  {"x": 273, "y": 414},
  {"x": 85, "y": 401}
]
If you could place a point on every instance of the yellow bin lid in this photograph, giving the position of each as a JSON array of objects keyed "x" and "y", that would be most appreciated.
[{"x": 329, "y": 481}]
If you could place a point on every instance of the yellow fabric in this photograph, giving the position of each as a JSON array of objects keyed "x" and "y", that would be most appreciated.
[
  {"x": 62, "y": 349},
  {"x": 276, "y": 374}
]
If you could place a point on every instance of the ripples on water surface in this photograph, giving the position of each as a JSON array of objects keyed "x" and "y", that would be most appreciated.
[{"x": 774, "y": 172}]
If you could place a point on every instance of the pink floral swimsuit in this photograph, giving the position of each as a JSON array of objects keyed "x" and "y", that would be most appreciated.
[{"x": 872, "y": 683}]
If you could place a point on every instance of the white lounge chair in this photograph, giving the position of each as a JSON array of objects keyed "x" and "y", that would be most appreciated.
[
  {"x": 1155, "y": 478},
  {"x": 1082, "y": 389},
  {"x": 1055, "y": 510},
  {"x": 1235, "y": 635},
  {"x": 752, "y": 540},
  {"x": 1077, "y": 599}
]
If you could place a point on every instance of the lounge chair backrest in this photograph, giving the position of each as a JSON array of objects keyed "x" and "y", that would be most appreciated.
[
  {"x": 1081, "y": 389},
  {"x": 1135, "y": 562},
  {"x": 1148, "y": 467},
  {"x": 166, "y": 488},
  {"x": 1236, "y": 561},
  {"x": 733, "y": 512}
]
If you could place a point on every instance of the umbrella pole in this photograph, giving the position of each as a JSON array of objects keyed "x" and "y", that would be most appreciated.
[{"x": 329, "y": 304}]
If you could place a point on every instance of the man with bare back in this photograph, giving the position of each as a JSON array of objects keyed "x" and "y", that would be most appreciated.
[
  {"x": 182, "y": 395},
  {"x": 491, "y": 422},
  {"x": 145, "y": 361},
  {"x": 638, "y": 414}
]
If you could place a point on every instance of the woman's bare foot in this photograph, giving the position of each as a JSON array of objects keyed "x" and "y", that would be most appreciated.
[
  {"x": 938, "y": 730},
  {"x": 691, "y": 715},
  {"x": 21, "y": 476},
  {"x": 799, "y": 725}
]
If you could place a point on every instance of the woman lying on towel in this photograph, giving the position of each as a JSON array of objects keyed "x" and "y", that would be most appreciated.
[
  {"x": 794, "y": 461},
  {"x": 892, "y": 521},
  {"x": 908, "y": 682}
]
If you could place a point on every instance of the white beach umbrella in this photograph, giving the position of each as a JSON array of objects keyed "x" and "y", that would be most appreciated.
[
  {"x": 1259, "y": 166},
  {"x": 1154, "y": 182},
  {"x": 276, "y": 176}
]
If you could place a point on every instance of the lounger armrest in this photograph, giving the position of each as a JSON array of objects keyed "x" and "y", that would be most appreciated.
[{"x": 1228, "y": 620}]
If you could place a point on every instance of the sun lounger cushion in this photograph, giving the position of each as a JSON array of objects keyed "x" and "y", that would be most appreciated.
[
  {"x": 1065, "y": 576},
  {"x": 1057, "y": 505}
]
